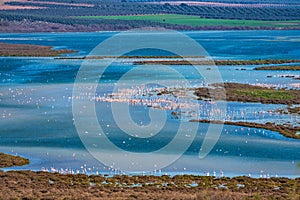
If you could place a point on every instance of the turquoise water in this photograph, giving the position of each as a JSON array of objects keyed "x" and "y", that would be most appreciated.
[{"x": 37, "y": 121}]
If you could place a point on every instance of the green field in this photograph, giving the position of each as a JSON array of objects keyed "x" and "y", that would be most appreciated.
[{"x": 197, "y": 21}]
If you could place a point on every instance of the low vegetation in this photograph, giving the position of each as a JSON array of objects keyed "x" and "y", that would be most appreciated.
[
  {"x": 290, "y": 68},
  {"x": 44, "y": 185},
  {"x": 7, "y": 160},
  {"x": 216, "y": 62},
  {"x": 250, "y": 93},
  {"x": 30, "y": 50}
]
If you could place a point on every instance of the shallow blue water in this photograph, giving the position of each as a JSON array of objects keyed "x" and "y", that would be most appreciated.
[
  {"x": 219, "y": 45},
  {"x": 36, "y": 106}
]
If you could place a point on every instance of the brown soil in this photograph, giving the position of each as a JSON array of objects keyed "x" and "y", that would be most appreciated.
[
  {"x": 249, "y": 93},
  {"x": 285, "y": 130},
  {"x": 10, "y": 160},
  {"x": 30, "y": 50},
  {"x": 38, "y": 185}
]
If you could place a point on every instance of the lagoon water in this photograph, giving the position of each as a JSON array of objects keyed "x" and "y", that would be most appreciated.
[{"x": 37, "y": 120}]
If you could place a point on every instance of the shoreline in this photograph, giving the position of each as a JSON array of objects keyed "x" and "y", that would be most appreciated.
[{"x": 30, "y": 184}]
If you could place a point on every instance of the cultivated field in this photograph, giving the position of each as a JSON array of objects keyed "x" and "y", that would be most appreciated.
[{"x": 191, "y": 20}]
